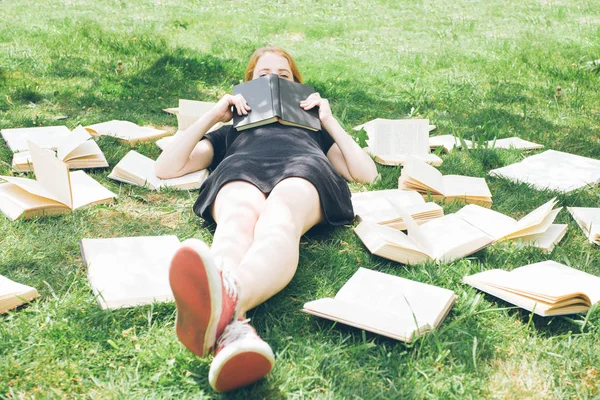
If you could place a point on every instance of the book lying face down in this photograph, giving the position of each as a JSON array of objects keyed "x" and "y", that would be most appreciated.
[
  {"x": 274, "y": 99},
  {"x": 385, "y": 304}
]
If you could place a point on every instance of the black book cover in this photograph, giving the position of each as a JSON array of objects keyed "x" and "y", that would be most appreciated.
[{"x": 274, "y": 99}]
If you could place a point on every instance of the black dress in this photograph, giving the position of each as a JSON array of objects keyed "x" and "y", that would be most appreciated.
[{"x": 265, "y": 155}]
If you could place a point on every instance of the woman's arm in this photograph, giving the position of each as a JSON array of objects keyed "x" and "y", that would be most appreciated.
[
  {"x": 346, "y": 156},
  {"x": 186, "y": 153}
]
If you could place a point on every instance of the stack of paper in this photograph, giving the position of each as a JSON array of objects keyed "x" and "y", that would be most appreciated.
[
  {"x": 546, "y": 288},
  {"x": 391, "y": 141},
  {"x": 425, "y": 179},
  {"x": 553, "y": 170},
  {"x": 376, "y": 206},
  {"x": 588, "y": 220},
  {"x": 129, "y": 271},
  {"x": 386, "y": 304}
]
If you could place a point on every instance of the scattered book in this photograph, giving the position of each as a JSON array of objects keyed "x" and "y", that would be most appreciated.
[
  {"x": 376, "y": 206},
  {"x": 46, "y": 137},
  {"x": 553, "y": 170},
  {"x": 14, "y": 294},
  {"x": 126, "y": 131},
  {"x": 442, "y": 239},
  {"x": 385, "y": 304},
  {"x": 137, "y": 169},
  {"x": 535, "y": 229},
  {"x": 54, "y": 191},
  {"x": 273, "y": 99},
  {"x": 129, "y": 271},
  {"x": 78, "y": 150},
  {"x": 546, "y": 288},
  {"x": 393, "y": 141},
  {"x": 449, "y": 142},
  {"x": 369, "y": 124},
  {"x": 425, "y": 179},
  {"x": 588, "y": 219}
]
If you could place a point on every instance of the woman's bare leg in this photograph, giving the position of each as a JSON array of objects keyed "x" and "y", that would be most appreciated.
[
  {"x": 292, "y": 208},
  {"x": 235, "y": 210}
]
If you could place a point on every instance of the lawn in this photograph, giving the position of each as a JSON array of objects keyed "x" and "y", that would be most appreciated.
[{"x": 476, "y": 69}]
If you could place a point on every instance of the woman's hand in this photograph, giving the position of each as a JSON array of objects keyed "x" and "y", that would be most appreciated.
[
  {"x": 315, "y": 99},
  {"x": 223, "y": 110}
]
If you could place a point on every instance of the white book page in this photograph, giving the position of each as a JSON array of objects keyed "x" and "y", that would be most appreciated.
[
  {"x": 31, "y": 186},
  {"x": 124, "y": 130},
  {"x": 71, "y": 142},
  {"x": 422, "y": 172},
  {"x": 395, "y": 137},
  {"x": 586, "y": 217},
  {"x": 461, "y": 186},
  {"x": 373, "y": 235},
  {"x": 547, "y": 239},
  {"x": 493, "y": 223},
  {"x": 52, "y": 174},
  {"x": 86, "y": 190},
  {"x": 553, "y": 170},
  {"x": 46, "y": 137},
  {"x": 24, "y": 199},
  {"x": 547, "y": 278},
  {"x": 537, "y": 216},
  {"x": 379, "y": 200},
  {"x": 451, "y": 237},
  {"x": 141, "y": 167},
  {"x": 10, "y": 288},
  {"x": 192, "y": 180},
  {"x": 537, "y": 229},
  {"x": 129, "y": 271},
  {"x": 86, "y": 149},
  {"x": 515, "y": 143}
]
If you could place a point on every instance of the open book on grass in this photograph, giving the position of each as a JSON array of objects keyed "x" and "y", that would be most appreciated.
[
  {"x": 137, "y": 169},
  {"x": 126, "y": 131},
  {"x": 535, "y": 229},
  {"x": 129, "y": 271},
  {"x": 553, "y": 170},
  {"x": 13, "y": 294},
  {"x": 46, "y": 137},
  {"x": 54, "y": 191},
  {"x": 391, "y": 141},
  {"x": 588, "y": 219},
  {"x": 371, "y": 123},
  {"x": 376, "y": 206},
  {"x": 78, "y": 150},
  {"x": 425, "y": 179},
  {"x": 442, "y": 239},
  {"x": 449, "y": 142},
  {"x": 545, "y": 288},
  {"x": 385, "y": 304}
]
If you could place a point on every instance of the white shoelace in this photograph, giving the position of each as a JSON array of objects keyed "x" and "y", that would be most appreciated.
[
  {"x": 229, "y": 282},
  {"x": 235, "y": 331}
]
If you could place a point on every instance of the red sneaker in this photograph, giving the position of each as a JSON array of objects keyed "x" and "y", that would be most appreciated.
[
  {"x": 241, "y": 358},
  {"x": 206, "y": 298}
]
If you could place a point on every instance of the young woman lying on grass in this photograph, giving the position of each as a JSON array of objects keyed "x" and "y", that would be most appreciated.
[{"x": 269, "y": 185}]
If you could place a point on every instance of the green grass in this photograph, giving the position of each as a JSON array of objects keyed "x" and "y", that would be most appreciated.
[{"x": 476, "y": 69}]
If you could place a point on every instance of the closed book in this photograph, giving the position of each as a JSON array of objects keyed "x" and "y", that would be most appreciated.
[{"x": 273, "y": 99}]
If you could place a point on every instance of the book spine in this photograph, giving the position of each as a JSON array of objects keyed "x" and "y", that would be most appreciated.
[{"x": 276, "y": 96}]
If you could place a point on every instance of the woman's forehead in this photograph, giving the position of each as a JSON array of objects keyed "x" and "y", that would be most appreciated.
[{"x": 272, "y": 61}]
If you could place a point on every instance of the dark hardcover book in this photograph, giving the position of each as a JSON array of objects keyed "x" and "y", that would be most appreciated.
[{"x": 274, "y": 99}]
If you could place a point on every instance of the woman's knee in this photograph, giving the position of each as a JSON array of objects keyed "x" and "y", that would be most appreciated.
[{"x": 238, "y": 203}]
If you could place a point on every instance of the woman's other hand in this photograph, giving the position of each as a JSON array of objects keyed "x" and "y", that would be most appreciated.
[
  {"x": 315, "y": 99},
  {"x": 223, "y": 110}
]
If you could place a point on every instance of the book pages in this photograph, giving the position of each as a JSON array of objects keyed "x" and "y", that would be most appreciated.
[
  {"x": 190, "y": 111},
  {"x": 71, "y": 142},
  {"x": 129, "y": 271},
  {"x": 389, "y": 305},
  {"x": 34, "y": 188},
  {"x": 401, "y": 159},
  {"x": 390, "y": 243},
  {"x": 553, "y": 170},
  {"x": 52, "y": 174},
  {"x": 465, "y": 186},
  {"x": 13, "y": 294},
  {"x": 514, "y": 143},
  {"x": 548, "y": 239},
  {"x": 16, "y": 202},
  {"x": 86, "y": 190},
  {"x": 417, "y": 175},
  {"x": 588, "y": 219},
  {"x": 46, "y": 137},
  {"x": 452, "y": 238},
  {"x": 448, "y": 142},
  {"x": 399, "y": 137},
  {"x": 126, "y": 130},
  {"x": 370, "y": 124}
]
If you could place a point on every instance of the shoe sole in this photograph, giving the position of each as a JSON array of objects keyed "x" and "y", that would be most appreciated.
[
  {"x": 197, "y": 290},
  {"x": 240, "y": 368}
]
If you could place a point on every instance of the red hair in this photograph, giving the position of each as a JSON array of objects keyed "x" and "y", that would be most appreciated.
[{"x": 276, "y": 50}]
